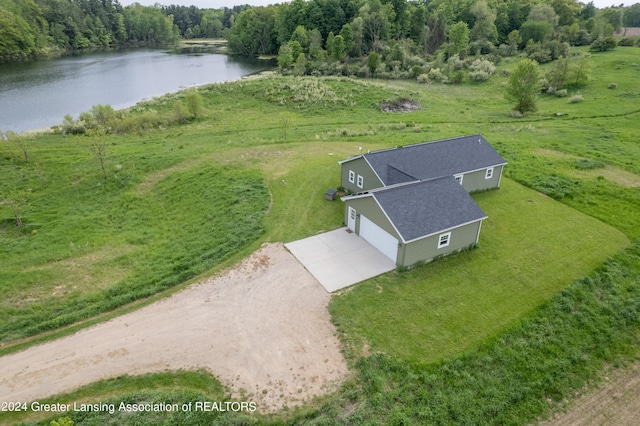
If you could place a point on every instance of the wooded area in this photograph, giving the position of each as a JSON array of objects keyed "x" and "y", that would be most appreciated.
[
  {"x": 322, "y": 30},
  {"x": 36, "y": 27}
]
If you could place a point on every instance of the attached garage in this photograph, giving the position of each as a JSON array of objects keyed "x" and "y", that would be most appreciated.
[
  {"x": 417, "y": 221},
  {"x": 379, "y": 238}
]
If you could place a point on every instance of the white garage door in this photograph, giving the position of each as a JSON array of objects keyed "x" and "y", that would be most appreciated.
[{"x": 379, "y": 238}]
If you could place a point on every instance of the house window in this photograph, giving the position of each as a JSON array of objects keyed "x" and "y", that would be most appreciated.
[
  {"x": 352, "y": 176},
  {"x": 444, "y": 239},
  {"x": 360, "y": 181},
  {"x": 489, "y": 173},
  {"x": 458, "y": 178}
]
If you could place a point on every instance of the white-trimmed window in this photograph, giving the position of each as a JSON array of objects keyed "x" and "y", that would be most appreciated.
[
  {"x": 458, "y": 178},
  {"x": 444, "y": 239},
  {"x": 489, "y": 173},
  {"x": 360, "y": 181},
  {"x": 352, "y": 176}
]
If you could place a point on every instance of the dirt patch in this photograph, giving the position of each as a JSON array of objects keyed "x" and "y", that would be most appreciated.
[
  {"x": 614, "y": 402},
  {"x": 629, "y": 32},
  {"x": 400, "y": 105},
  {"x": 262, "y": 328}
]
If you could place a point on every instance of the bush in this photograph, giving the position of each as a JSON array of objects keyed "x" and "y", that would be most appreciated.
[
  {"x": 561, "y": 93},
  {"x": 538, "y": 52},
  {"x": 627, "y": 41},
  {"x": 583, "y": 38},
  {"x": 180, "y": 112},
  {"x": 423, "y": 79},
  {"x": 436, "y": 74},
  {"x": 456, "y": 62},
  {"x": 481, "y": 47},
  {"x": 478, "y": 76},
  {"x": 603, "y": 44},
  {"x": 576, "y": 99},
  {"x": 481, "y": 69},
  {"x": 457, "y": 77},
  {"x": 417, "y": 70}
]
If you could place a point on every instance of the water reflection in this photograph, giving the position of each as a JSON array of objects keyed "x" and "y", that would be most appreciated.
[{"x": 37, "y": 94}]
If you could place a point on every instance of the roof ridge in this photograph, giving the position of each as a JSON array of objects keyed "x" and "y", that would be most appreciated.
[{"x": 420, "y": 144}]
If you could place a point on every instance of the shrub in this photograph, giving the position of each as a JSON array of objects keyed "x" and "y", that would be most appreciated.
[
  {"x": 364, "y": 72},
  {"x": 626, "y": 41},
  {"x": 195, "y": 104},
  {"x": 603, "y": 44},
  {"x": 478, "y": 76},
  {"x": 583, "y": 38},
  {"x": 483, "y": 65},
  {"x": 436, "y": 74},
  {"x": 456, "y": 62},
  {"x": 481, "y": 69},
  {"x": 561, "y": 93},
  {"x": 457, "y": 77},
  {"x": 537, "y": 52},
  {"x": 71, "y": 127},
  {"x": 180, "y": 112},
  {"x": 423, "y": 79},
  {"x": 417, "y": 70},
  {"x": 576, "y": 99}
]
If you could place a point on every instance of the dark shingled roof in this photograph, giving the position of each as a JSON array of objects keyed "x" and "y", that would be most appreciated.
[
  {"x": 433, "y": 159},
  {"x": 423, "y": 208}
]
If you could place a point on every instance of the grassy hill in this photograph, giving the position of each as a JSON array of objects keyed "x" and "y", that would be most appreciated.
[{"x": 487, "y": 336}]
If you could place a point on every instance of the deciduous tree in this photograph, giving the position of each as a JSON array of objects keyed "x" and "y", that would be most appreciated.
[
  {"x": 524, "y": 86},
  {"x": 458, "y": 39},
  {"x": 98, "y": 146}
]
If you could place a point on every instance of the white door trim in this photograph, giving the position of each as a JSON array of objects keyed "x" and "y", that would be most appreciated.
[{"x": 351, "y": 219}]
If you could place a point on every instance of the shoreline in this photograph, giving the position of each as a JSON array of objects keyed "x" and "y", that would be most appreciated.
[{"x": 15, "y": 124}]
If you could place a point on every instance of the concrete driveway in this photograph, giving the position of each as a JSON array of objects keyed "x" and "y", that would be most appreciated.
[{"x": 339, "y": 258}]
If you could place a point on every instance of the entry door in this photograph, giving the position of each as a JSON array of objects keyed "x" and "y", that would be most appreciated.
[{"x": 351, "y": 223}]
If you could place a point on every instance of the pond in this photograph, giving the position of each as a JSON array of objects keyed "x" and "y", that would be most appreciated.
[{"x": 37, "y": 94}]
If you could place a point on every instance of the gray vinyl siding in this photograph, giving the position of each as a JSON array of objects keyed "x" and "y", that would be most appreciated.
[
  {"x": 368, "y": 207},
  {"x": 426, "y": 249},
  {"x": 475, "y": 181},
  {"x": 360, "y": 167}
]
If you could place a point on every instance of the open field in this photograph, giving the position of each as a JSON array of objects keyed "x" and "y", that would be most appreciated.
[
  {"x": 531, "y": 247},
  {"x": 483, "y": 356}
]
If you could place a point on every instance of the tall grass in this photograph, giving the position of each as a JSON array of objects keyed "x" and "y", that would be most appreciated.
[{"x": 122, "y": 243}]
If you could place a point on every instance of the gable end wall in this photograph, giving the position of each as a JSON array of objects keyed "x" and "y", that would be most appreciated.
[
  {"x": 362, "y": 168},
  {"x": 475, "y": 181},
  {"x": 368, "y": 207}
]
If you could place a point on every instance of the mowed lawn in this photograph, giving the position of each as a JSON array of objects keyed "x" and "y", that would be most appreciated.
[{"x": 530, "y": 248}]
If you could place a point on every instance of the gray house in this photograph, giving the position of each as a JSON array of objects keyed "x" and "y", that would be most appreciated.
[{"x": 412, "y": 203}]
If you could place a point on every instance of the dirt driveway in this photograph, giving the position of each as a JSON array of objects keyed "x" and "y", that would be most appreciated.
[{"x": 261, "y": 327}]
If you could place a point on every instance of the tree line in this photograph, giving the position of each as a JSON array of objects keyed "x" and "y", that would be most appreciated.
[
  {"x": 33, "y": 27},
  {"x": 369, "y": 25}
]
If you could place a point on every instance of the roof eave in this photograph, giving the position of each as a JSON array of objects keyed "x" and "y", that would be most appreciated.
[{"x": 446, "y": 229}]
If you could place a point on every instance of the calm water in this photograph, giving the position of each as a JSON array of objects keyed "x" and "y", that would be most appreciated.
[{"x": 37, "y": 94}]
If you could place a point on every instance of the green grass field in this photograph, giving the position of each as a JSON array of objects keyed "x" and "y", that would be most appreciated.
[
  {"x": 448, "y": 338},
  {"x": 531, "y": 247}
]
